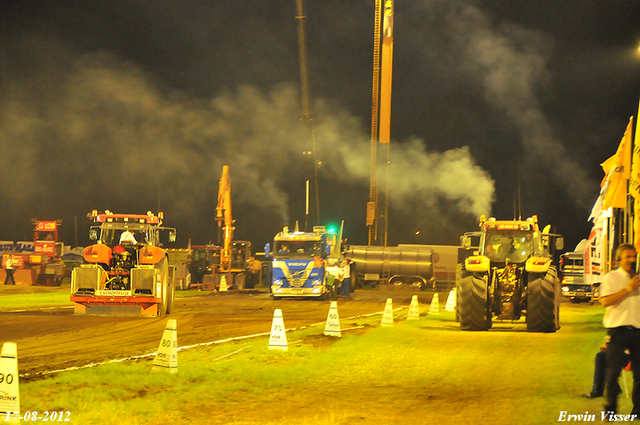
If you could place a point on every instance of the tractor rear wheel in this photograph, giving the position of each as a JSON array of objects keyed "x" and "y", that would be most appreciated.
[
  {"x": 163, "y": 266},
  {"x": 239, "y": 280},
  {"x": 171, "y": 295},
  {"x": 543, "y": 302},
  {"x": 473, "y": 309}
]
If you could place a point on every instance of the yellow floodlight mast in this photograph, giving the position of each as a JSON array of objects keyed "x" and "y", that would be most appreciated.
[{"x": 381, "y": 95}]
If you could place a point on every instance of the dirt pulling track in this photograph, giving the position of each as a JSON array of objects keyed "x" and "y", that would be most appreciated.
[{"x": 54, "y": 338}]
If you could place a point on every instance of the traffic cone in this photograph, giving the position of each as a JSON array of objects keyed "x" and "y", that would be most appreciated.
[
  {"x": 9, "y": 394},
  {"x": 414, "y": 309},
  {"x": 223, "y": 284},
  {"x": 167, "y": 355},
  {"x": 387, "y": 317},
  {"x": 332, "y": 328},
  {"x": 434, "y": 308},
  {"x": 278, "y": 338},
  {"x": 451, "y": 301}
]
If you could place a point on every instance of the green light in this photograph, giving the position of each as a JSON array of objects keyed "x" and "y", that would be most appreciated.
[{"x": 331, "y": 230}]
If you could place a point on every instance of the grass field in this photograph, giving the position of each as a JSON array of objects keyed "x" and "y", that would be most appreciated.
[
  {"x": 53, "y": 299},
  {"x": 416, "y": 372}
]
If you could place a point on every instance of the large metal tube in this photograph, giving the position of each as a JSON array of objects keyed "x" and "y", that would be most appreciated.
[{"x": 389, "y": 261}]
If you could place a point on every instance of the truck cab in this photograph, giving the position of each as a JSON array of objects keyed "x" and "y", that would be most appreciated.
[
  {"x": 299, "y": 263},
  {"x": 573, "y": 283}
]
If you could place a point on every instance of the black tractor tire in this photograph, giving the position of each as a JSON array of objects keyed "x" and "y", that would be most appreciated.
[
  {"x": 239, "y": 281},
  {"x": 457, "y": 309},
  {"x": 473, "y": 309},
  {"x": 543, "y": 302},
  {"x": 171, "y": 295}
]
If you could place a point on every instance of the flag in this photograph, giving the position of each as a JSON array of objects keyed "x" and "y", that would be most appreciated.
[
  {"x": 634, "y": 185},
  {"x": 618, "y": 172},
  {"x": 634, "y": 181}
]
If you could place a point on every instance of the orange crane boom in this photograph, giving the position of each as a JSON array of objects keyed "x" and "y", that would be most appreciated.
[{"x": 224, "y": 218}]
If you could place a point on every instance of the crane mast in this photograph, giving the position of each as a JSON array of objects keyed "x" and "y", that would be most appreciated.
[
  {"x": 381, "y": 104},
  {"x": 225, "y": 219}
]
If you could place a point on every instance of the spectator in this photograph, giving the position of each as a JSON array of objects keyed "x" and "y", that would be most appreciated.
[
  {"x": 9, "y": 267},
  {"x": 597, "y": 390},
  {"x": 620, "y": 295},
  {"x": 346, "y": 278}
]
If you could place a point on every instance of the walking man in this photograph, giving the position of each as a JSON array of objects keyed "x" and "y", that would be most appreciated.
[
  {"x": 620, "y": 295},
  {"x": 9, "y": 267}
]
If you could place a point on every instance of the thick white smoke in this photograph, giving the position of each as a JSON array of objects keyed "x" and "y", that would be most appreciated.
[
  {"x": 511, "y": 62},
  {"x": 94, "y": 127}
]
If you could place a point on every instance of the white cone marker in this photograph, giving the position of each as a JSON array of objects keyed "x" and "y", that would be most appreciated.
[
  {"x": 223, "y": 284},
  {"x": 414, "y": 309},
  {"x": 387, "y": 316},
  {"x": 332, "y": 328},
  {"x": 434, "y": 308},
  {"x": 9, "y": 394},
  {"x": 451, "y": 301},
  {"x": 278, "y": 338},
  {"x": 167, "y": 356}
]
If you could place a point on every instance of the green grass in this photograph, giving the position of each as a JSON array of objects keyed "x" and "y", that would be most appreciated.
[
  {"x": 53, "y": 299},
  {"x": 34, "y": 300},
  {"x": 424, "y": 371}
]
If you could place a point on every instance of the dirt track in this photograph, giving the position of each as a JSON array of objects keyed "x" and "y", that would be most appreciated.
[{"x": 53, "y": 339}]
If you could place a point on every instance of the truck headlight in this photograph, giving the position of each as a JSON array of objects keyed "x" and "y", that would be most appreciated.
[
  {"x": 277, "y": 282},
  {"x": 317, "y": 282},
  {"x": 565, "y": 289}
]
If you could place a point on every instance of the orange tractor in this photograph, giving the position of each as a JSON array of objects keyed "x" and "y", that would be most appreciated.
[{"x": 126, "y": 272}]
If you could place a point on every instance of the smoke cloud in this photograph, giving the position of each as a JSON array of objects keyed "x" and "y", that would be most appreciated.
[
  {"x": 94, "y": 131},
  {"x": 511, "y": 62}
]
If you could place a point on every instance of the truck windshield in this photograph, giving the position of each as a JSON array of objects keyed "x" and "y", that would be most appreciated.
[
  {"x": 296, "y": 249},
  {"x": 514, "y": 247},
  {"x": 571, "y": 264}
]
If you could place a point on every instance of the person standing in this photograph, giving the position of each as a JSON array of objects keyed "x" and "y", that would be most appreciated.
[
  {"x": 9, "y": 267},
  {"x": 346, "y": 278},
  {"x": 620, "y": 295}
]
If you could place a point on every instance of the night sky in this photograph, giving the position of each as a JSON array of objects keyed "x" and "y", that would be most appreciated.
[{"x": 136, "y": 105}]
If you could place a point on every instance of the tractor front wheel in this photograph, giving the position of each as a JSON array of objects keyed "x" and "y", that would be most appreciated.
[
  {"x": 473, "y": 307},
  {"x": 543, "y": 302}
]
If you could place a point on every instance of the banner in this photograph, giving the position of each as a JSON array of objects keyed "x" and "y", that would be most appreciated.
[
  {"x": 634, "y": 185},
  {"x": 593, "y": 258},
  {"x": 618, "y": 171}
]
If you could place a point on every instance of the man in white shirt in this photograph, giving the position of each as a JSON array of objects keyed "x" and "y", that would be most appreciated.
[
  {"x": 619, "y": 293},
  {"x": 9, "y": 267},
  {"x": 346, "y": 278},
  {"x": 127, "y": 237}
]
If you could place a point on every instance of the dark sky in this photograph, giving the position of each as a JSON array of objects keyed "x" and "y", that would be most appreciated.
[{"x": 132, "y": 105}]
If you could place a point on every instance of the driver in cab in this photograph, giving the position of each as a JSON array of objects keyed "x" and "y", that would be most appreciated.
[{"x": 128, "y": 237}]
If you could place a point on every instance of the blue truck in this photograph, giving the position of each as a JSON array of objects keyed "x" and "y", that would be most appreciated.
[{"x": 299, "y": 263}]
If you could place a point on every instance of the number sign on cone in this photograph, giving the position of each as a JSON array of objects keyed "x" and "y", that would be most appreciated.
[
  {"x": 278, "y": 338},
  {"x": 387, "y": 316},
  {"x": 434, "y": 308},
  {"x": 332, "y": 327},
  {"x": 9, "y": 394},
  {"x": 414, "y": 309},
  {"x": 451, "y": 301},
  {"x": 167, "y": 356}
]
